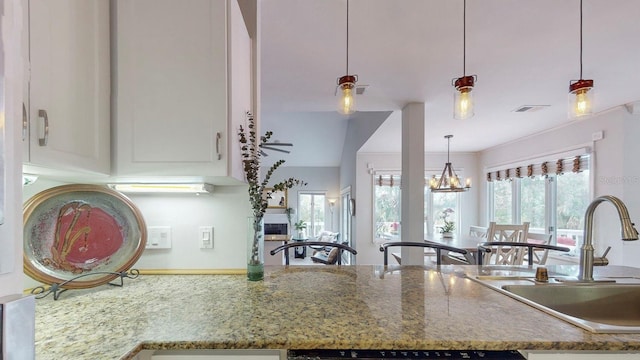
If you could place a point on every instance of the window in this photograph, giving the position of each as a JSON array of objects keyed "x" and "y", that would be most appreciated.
[
  {"x": 444, "y": 203},
  {"x": 551, "y": 202},
  {"x": 387, "y": 207},
  {"x": 572, "y": 202},
  {"x": 311, "y": 211},
  {"x": 533, "y": 203},
  {"x": 502, "y": 202}
]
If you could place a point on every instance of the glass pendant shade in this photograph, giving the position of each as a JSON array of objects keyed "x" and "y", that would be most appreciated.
[
  {"x": 581, "y": 96},
  {"x": 463, "y": 103},
  {"x": 347, "y": 85}
]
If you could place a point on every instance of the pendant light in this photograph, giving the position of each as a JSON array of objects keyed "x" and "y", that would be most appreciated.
[
  {"x": 580, "y": 91},
  {"x": 449, "y": 180},
  {"x": 463, "y": 96},
  {"x": 347, "y": 83}
]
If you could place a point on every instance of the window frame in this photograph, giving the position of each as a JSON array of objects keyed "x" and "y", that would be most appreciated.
[
  {"x": 551, "y": 198},
  {"x": 428, "y": 224},
  {"x": 310, "y": 230}
]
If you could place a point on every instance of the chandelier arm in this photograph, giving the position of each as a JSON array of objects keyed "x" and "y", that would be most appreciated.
[{"x": 442, "y": 177}]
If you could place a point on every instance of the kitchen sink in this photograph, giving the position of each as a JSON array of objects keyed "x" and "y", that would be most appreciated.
[{"x": 600, "y": 307}]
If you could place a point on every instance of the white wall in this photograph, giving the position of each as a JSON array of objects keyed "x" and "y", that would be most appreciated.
[
  {"x": 615, "y": 171},
  {"x": 463, "y": 163},
  {"x": 631, "y": 184},
  {"x": 321, "y": 179},
  {"x": 226, "y": 209}
]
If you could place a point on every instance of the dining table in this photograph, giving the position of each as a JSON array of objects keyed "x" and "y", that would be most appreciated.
[{"x": 462, "y": 241}]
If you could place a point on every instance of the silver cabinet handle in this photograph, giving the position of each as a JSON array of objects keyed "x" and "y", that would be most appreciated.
[
  {"x": 43, "y": 133},
  {"x": 25, "y": 122},
  {"x": 218, "y": 136}
]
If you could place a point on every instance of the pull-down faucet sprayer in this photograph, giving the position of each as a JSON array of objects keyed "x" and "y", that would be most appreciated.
[{"x": 586, "y": 252}]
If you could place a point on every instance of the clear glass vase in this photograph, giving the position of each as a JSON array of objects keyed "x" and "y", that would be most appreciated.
[{"x": 255, "y": 249}]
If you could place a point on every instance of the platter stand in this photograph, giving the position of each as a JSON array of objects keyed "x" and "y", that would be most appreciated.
[{"x": 57, "y": 289}]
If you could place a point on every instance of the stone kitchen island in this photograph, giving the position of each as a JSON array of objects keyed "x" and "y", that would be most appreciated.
[{"x": 305, "y": 307}]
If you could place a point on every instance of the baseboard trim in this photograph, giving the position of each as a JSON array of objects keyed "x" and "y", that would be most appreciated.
[
  {"x": 193, "y": 271},
  {"x": 171, "y": 272}
]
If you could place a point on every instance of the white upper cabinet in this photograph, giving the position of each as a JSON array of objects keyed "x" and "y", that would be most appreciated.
[
  {"x": 68, "y": 109},
  {"x": 183, "y": 85}
]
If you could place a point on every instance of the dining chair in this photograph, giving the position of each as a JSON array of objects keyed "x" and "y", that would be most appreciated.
[
  {"x": 329, "y": 259},
  {"x": 539, "y": 257},
  {"x": 504, "y": 254},
  {"x": 440, "y": 249},
  {"x": 478, "y": 231},
  {"x": 492, "y": 246}
]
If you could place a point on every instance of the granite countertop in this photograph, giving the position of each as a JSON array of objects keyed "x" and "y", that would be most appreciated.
[{"x": 303, "y": 307}]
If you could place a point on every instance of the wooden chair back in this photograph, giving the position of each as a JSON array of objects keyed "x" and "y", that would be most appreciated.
[
  {"x": 539, "y": 257},
  {"x": 506, "y": 255},
  {"x": 478, "y": 231}
]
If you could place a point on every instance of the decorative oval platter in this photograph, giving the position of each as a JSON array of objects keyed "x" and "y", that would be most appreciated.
[{"x": 88, "y": 233}]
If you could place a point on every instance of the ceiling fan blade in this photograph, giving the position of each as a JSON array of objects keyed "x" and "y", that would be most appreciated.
[
  {"x": 275, "y": 149},
  {"x": 276, "y": 144}
]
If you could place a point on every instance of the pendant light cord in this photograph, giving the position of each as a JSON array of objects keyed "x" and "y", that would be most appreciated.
[
  {"x": 580, "y": 39},
  {"x": 348, "y": 36},
  {"x": 464, "y": 38}
]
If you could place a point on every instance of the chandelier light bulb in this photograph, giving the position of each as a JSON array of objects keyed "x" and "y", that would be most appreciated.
[
  {"x": 433, "y": 182},
  {"x": 455, "y": 182}
]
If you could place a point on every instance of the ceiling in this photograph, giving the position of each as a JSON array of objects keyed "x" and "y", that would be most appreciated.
[{"x": 524, "y": 52}]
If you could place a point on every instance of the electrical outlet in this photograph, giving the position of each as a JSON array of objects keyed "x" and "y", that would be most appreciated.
[{"x": 205, "y": 237}]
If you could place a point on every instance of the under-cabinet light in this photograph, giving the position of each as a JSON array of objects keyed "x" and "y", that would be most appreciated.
[{"x": 164, "y": 188}]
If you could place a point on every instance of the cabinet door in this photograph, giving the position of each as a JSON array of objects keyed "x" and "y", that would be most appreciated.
[
  {"x": 172, "y": 100},
  {"x": 70, "y": 85}
]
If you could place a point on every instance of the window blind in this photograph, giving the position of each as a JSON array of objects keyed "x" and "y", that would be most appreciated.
[{"x": 577, "y": 163}]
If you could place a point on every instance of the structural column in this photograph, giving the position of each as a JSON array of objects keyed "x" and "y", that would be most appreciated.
[{"x": 412, "y": 217}]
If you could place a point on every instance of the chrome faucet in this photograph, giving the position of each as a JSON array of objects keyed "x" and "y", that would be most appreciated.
[{"x": 586, "y": 252}]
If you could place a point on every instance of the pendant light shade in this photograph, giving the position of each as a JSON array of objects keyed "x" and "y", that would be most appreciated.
[
  {"x": 463, "y": 103},
  {"x": 449, "y": 180},
  {"x": 581, "y": 98},
  {"x": 463, "y": 97},
  {"x": 347, "y": 83},
  {"x": 581, "y": 91}
]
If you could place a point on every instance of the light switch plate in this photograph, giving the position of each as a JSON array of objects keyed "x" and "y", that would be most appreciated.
[
  {"x": 205, "y": 237},
  {"x": 159, "y": 237},
  {"x": 598, "y": 135}
]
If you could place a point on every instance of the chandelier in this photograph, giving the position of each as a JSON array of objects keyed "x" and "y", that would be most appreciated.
[
  {"x": 347, "y": 83},
  {"x": 449, "y": 180},
  {"x": 580, "y": 91}
]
